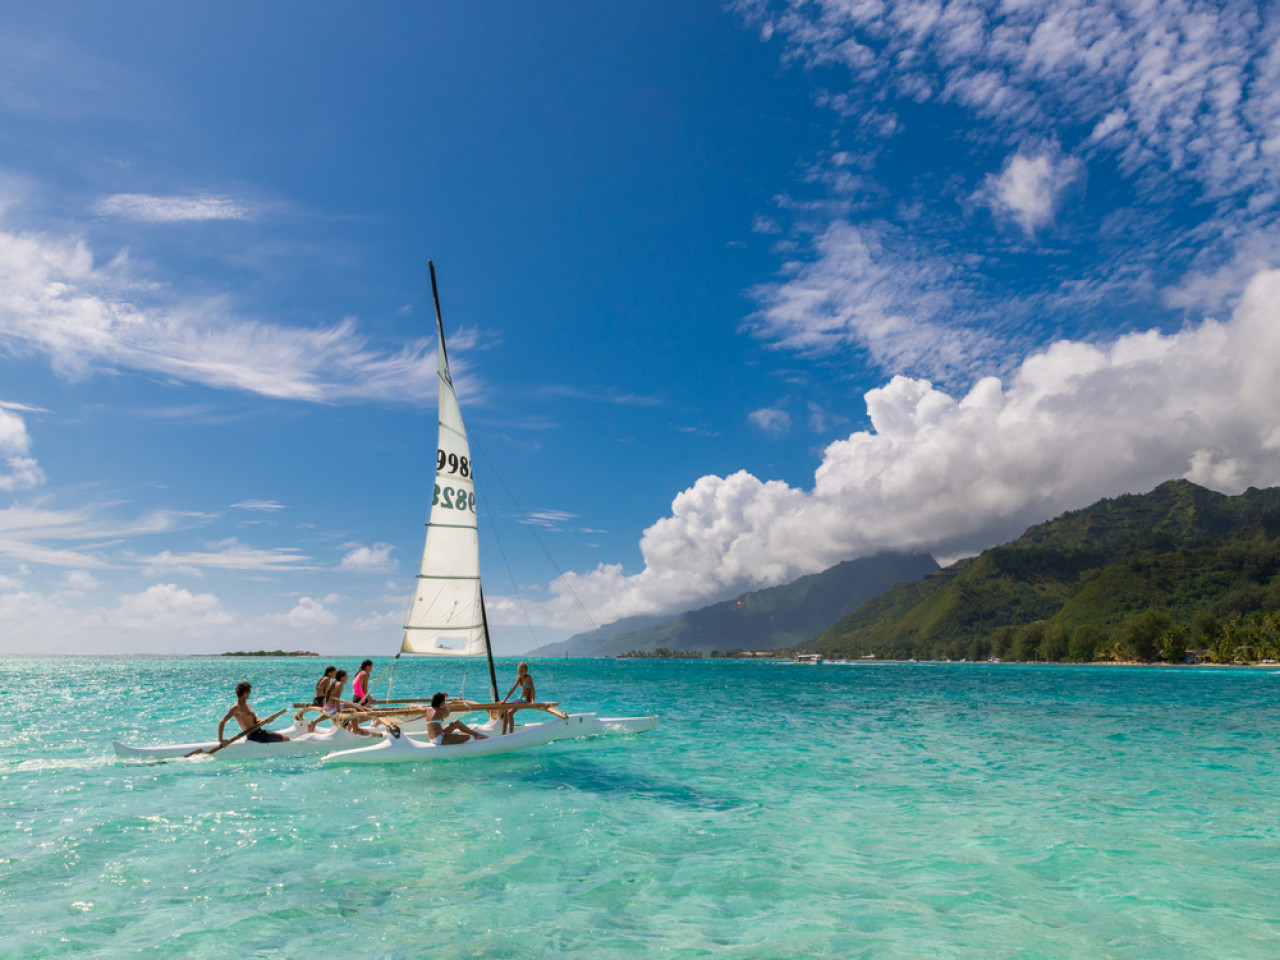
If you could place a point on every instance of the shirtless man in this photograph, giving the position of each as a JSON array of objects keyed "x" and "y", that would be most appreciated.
[
  {"x": 247, "y": 718},
  {"x": 456, "y": 732}
]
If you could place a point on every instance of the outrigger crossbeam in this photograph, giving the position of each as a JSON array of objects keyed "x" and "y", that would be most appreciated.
[{"x": 455, "y": 707}]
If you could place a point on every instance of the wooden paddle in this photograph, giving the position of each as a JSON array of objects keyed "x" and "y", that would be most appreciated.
[{"x": 242, "y": 733}]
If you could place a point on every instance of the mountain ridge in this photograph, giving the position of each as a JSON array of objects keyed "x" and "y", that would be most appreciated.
[{"x": 770, "y": 618}]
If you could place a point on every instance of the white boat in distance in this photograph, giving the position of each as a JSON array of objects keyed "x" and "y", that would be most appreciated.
[{"x": 446, "y": 619}]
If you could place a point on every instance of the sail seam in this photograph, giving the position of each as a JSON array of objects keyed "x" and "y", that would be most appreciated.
[
  {"x": 473, "y": 626},
  {"x": 425, "y": 576},
  {"x": 455, "y": 526}
]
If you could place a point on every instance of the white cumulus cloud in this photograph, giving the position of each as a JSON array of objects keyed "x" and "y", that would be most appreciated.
[
  {"x": 770, "y": 420},
  {"x": 362, "y": 559},
  {"x": 1028, "y": 188},
  {"x": 166, "y": 607},
  {"x": 21, "y": 472},
  {"x": 309, "y": 612},
  {"x": 954, "y": 474}
]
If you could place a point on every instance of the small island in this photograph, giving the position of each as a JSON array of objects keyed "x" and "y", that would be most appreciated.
[{"x": 271, "y": 653}]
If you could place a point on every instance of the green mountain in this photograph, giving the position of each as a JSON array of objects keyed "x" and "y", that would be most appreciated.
[
  {"x": 773, "y": 618},
  {"x": 1180, "y": 549}
]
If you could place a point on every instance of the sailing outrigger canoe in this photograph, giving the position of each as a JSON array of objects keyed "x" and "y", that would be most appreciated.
[
  {"x": 341, "y": 746},
  {"x": 447, "y": 619}
]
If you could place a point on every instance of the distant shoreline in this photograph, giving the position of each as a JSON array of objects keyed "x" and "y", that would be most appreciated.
[
  {"x": 879, "y": 661},
  {"x": 871, "y": 661}
]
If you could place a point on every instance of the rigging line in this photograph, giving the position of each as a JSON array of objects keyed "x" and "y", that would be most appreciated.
[
  {"x": 503, "y": 553},
  {"x": 524, "y": 611},
  {"x": 529, "y": 523},
  {"x": 555, "y": 685},
  {"x": 389, "y": 668}
]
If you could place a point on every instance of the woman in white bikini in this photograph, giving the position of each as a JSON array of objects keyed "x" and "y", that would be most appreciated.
[
  {"x": 332, "y": 698},
  {"x": 441, "y": 735}
]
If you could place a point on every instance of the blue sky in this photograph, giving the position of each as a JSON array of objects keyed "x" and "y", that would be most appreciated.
[{"x": 734, "y": 292}]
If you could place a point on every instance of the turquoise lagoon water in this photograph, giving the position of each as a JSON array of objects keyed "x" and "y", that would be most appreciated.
[{"x": 870, "y": 810}]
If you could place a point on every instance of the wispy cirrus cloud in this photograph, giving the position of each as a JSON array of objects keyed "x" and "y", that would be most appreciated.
[
  {"x": 228, "y": 554},
  {"x": 547, "y": 519},
  {"x": 1185, "y": 86},
  {"x": 56, "y": 301},
  {"x": 37, "y": 533},
  {"x": 261, "y": 506},
  {"x": 147, "y": 208},
  {"x": 601, "y": 395},
  {"x": 1142, "y": 140},
  {"x": 873, "y": 288}
]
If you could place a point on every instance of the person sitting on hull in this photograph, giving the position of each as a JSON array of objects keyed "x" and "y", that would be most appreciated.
[
  {"x": 333, "y": 701},
  {"x": 322, "y": 694},
  {"x": 247, "y": 718},
  {"x": 442, "y": 735},
  {"x": 362, "y": 697}
]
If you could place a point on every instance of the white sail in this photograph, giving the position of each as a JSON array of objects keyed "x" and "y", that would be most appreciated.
[{"x": 446, "y": 618}]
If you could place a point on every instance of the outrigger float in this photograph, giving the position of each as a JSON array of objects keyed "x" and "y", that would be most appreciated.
[{"x": 447, "y": 619}]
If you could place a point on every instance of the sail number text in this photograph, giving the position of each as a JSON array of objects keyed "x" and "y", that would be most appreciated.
[
  {"x": 454, "y": 499},
  {"x": 453, "y": 463}
]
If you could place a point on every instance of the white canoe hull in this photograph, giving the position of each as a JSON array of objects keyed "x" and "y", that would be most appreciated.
[
  {"x": 417, "y": 749},
  {"x": 300, "y": 743},
  {"x": 333, "y": 742}
]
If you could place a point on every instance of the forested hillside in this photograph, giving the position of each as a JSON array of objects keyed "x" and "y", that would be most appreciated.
[{"x": 1136, "y": 577}]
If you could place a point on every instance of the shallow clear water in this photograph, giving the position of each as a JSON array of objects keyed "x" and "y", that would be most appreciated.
[{"x": 877, "y": 810}]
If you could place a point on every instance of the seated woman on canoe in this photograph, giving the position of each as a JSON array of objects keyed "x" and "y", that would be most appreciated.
[
  {"x": 334, "y": 704},
  {"x": 247, "y": 718},
  {"x": 360, "y": 685},
  {"x": 456, "y": 732},
  {"x": 322, "y": 687},
  {"x": 331, "y": 700}
]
